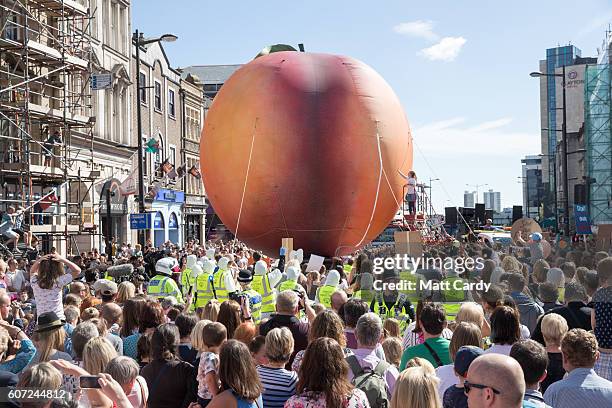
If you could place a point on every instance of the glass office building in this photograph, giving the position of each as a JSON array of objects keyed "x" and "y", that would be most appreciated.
[{"x": 598, "y": 114}]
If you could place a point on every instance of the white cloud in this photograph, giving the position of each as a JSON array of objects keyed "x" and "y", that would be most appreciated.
[
  {"x": 418, "y": 28},
  {"x": 596, "y": 23},
  {"x": 493, "y": 124},
  {"x": 447, "y": 138},
  {"x": 447, "y": 49}
]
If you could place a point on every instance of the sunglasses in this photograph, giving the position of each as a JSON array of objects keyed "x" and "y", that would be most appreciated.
[{"x": 467, "y": 387}]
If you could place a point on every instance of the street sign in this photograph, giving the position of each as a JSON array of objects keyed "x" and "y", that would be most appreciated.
[
  {"x": 581, "y": 217},
  {"x": 140, "y": 221},
  {"x": 101, "y": 81}
]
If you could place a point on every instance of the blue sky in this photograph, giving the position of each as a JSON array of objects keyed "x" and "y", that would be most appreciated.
[{"x": 459, "y": 67}]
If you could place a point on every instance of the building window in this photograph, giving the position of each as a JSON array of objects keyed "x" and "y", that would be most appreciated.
[
  {"x": 172, "y": 155},
  {"x": 158, "y": 103},
  {"x": 143, "y": 89},
  {"x": 171, "y": 110}
]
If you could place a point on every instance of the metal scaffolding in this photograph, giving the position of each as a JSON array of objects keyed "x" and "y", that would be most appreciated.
[
  {"x": 598, "y": 113},
  {"x": 46, "y": 119}
]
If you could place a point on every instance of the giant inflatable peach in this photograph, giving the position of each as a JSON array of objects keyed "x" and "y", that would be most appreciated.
[{"x": 308, "y": 146}]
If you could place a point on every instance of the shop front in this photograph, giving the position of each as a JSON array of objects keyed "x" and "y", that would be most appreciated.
[
  {"x": 167, "y": 208},
  {"x": 116, "y": 217},
  {"x": 195, "y": 217}
]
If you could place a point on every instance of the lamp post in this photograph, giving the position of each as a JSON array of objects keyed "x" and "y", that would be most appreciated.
[
  {"x": 138, "y": 40},
  {"x": 564, "y": 146}
]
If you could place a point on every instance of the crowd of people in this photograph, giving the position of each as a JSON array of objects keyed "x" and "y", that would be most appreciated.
[{"x": 221, "y": 325}]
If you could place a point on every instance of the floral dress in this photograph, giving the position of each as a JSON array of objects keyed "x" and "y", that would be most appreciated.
[{"x": 307, "y": 399}]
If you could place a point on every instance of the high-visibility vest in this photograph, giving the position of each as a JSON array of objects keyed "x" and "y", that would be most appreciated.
[
  {"x": 187, "y": 281},
  {"x": 203, "y": 290},
  {"x": 161, "y": 286},
  {"x": 255, "y": 302},
  {"x": 288, "y": 285},
  {"x": 261, "y": 284},
  {"x": 220, "y": 288},
  {"x": 364, "y": 294},
  {"x": 325, "y": 293},
  {"x": 396, "y": 311},
  {"x": 453, "y": 298},
  {"x": 410, "y": 277}
]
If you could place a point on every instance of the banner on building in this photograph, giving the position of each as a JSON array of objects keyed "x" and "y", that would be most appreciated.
[
  {"x": 130, "y": 184},
  {"x": 581, "y": 217}
]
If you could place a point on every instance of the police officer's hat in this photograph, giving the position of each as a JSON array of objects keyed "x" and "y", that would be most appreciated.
[
  {"x": 167, "y": 266},
  {"x": 390, "y": 274},
  {"x": 244, "y": 276}
]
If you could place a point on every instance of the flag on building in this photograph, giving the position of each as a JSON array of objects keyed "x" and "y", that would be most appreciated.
[
  {"x": 152, "y": 146},
  {"x": 48, "y": 200},
  {"x": 167, "y": 167},
  {"x": 129, "y": 185},
  {"x": 181, "y": 171},
  {"x": 195, "y": 172}
]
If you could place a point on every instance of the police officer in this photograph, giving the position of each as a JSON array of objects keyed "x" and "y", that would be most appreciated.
[
  {"x": 204, "y": 285},
  {"x": 325, "y": 292},
  {"x": 389, "y": 302},
  {"x": 189, "y": 274},
  {"x": 293, "y": 272},
  {"x": 162, "y": 284},
  {"x": 223, "y": 281},
  {"x": 244, "y": 279},
  {"x": 364, "y": 287},
  {"x": 264, "y": 283}
]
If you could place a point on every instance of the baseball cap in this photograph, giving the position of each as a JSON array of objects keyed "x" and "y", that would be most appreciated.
[
  {"x": 105, "y": 286},
  {"x": 464, "y": 357},
  {"x": 536, "y": 236}
]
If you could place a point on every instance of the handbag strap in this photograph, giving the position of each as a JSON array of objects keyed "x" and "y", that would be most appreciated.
[{"x": 434, "y": 354}]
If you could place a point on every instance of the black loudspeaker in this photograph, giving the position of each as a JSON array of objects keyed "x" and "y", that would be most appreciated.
[
  {"x": 480, "y": 213},
  {"x": 450, "y": 215},
  {"x": 580, "y": 194},
  {"x": 517, "y": 212}
]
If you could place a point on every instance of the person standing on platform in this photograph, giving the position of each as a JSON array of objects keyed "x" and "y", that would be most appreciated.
[{"x": 411, "y": 195}]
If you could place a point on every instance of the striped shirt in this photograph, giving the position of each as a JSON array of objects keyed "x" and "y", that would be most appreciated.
[
  {"x": 279, "y": 384},
  {"x": 581, "y": 388}
]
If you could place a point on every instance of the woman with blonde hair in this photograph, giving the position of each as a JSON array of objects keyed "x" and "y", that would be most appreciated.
[
  {"x": 391, "y": 327},
  {"x": 472, "y": 312},
  {"x": 554, "y": 327},
  {"x": 416, "y": 388},
  {"x": 421, "y": 362},
  {"x": 49, "y": 337},
  {"x": 126, "y": 290},
  {"x": 210, "y": 311},
  {"x": 96, "y": 355},
  {"x": 392, "y": 347},
  {"x": 43, "y": 376}
]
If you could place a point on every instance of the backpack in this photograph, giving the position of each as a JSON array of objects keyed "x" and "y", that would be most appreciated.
[{"x": 371, "y": 382}]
